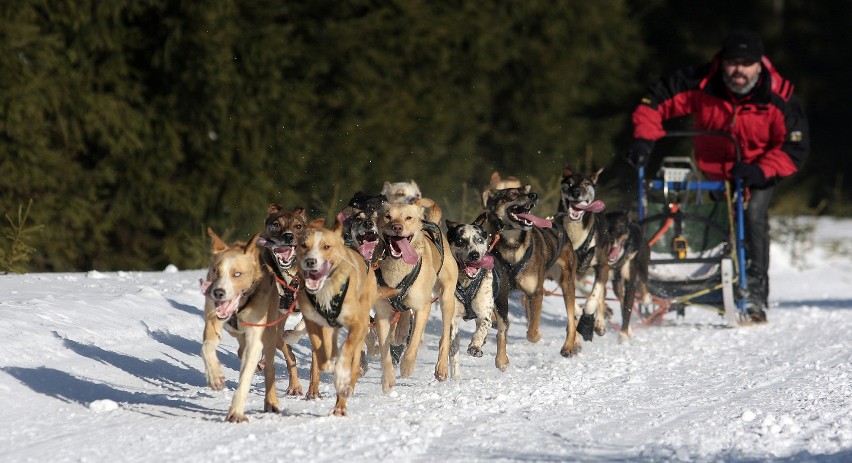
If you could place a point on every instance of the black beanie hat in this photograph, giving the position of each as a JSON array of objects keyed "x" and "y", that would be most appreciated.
[{"x": 742, "y": 44}]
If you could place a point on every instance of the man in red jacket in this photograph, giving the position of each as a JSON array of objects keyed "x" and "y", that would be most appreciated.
[{"x": 741, "y": 93}]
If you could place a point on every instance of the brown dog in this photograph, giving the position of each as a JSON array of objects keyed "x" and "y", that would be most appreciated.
[
  {"x": 281, "y": 232},
  {"x": 528, "y": 249},
  {"x": 240, "y": 295},
  {"x": 417, "y": 262},
  {"x": 339, "y": 289},
  {"x": 581, "y": 215}
]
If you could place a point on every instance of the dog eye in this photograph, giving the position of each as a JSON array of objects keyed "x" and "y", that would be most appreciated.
[
  {"x": 326, "y": 247},
  {"x": 274, "y": 226},
  {"x": 480, "y": 240},
  {"x": 298, "y": 226},
  {"x": 566, "y": 187},
  {"x": 238, "y": 274}
]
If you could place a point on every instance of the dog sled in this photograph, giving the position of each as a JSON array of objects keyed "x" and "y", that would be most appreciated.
[{"x": 695, "y": 231}]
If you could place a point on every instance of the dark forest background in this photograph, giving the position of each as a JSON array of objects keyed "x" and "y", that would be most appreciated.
[{"x": 132, "y": 125}]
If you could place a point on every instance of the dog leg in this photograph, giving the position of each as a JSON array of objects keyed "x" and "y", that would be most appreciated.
[
  {"x": 212, "y": 368},
  {"x": 347, "y": 368},
  {"x": 409, "y": 359},
  {"x": 501, "y": 361},
  {"x": 455, "y": 370},
  {"x": 628, "y": 295},
  {"x": 599, "y": 295},
  {"x": 318, "y": 359},
  {"x": 534, "y": 313},
  {"x": 572, "y": 345},
  {"x": 248, "y": 364},
  {"x": 270, "y": 403},
  {"x": 294, "y": 387},
  {"x": 382, "y": 326},
  {"x": 448, "y": 310},
  {"x": 483, "y": 325}
]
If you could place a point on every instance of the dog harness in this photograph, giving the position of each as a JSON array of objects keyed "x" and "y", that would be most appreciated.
[
  {"x": 519, "y": 266},
  {"x": 404, "y": 286},
  {"x": 287, "y": 292},
  {"x": 331, "y": 311},
  {"x": 435, "y": 234},
  {"x": 466, "y": 294}
]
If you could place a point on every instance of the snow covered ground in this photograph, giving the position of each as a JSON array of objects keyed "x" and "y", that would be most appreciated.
[{"x": 106, "y": 367}]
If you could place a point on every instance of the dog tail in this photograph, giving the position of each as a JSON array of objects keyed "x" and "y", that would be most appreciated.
[{"x": 431, "y": 211}]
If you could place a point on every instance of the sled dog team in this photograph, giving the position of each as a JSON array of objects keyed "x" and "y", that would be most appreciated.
[{"x": 387, "y": 259}]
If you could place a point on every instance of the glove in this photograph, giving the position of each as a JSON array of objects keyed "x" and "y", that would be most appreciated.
[
  {"x": 639, "y": 152},
  {"x": 750, "y": 174}
]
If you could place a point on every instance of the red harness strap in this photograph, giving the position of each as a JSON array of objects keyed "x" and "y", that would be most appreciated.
[{"x": 286, "y": 314}]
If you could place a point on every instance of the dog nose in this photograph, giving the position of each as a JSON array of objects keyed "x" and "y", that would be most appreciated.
[
  {"x": 310, "y": 262},
  {"x": 474, "y": 255},
  {"x": 289, "y": 237},
  {"x": 369, "y": 224},
  {"x": 397, "y": 228},
  {"x": 218, "y": 293},
  {"x": 533, "y": 196}
]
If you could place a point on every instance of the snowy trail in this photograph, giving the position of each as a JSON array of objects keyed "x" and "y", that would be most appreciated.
[{"x": 106, "y": 367}]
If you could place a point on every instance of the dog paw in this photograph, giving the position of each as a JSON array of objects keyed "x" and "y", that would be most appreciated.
[
  {"x": 216, "y": 381},
  {"x": 313, "y": 395},
  {"x": 339, "y": 411},
  {"x": 294, "y": 390},
  {"x": 600, "y": 328},
  {"x": 533, "y": 336},
  {"x": 502, "y": 365},
  {"x": 441, "y": 375},
  {"x": 234, "y": 417},
  {"x": 475, "y": 351},
  {"x": 271, "y": 408}
]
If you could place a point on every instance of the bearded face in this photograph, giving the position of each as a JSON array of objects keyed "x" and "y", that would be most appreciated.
[{"x": 740, "y": 76}]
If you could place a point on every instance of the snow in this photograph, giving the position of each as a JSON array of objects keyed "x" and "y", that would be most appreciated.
[{"x": 106, "y": 366}]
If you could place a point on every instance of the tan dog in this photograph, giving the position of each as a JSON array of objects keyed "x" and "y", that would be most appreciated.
[
  {"x": 240, "y": 295},
  {"x": 418, "y": 261},
  {"x": 339, "y": 289},
  {"x": 401, "y": 192}
]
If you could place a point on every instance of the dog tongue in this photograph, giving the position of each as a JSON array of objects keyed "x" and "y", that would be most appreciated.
[
  {"x": 409, "y": 256},
  {"x": 487, "y": 262},
  {"x": 596, "y": 206},
  {"x": 285, "y": 252},
  {"x": 225, "y": 309},
  {"x": 614, "y": 252},
  {"x": 367, "y": 248},
  {"x": 537, "y": 221}
]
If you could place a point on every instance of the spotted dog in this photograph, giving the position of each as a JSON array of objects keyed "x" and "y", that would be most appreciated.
[
  {"x": 628, "y": 258},
  {"x": 482, "y": 292},
  {"x": 239, "y": 295},
  {"x": 581, "y": 215},
  {"x": 528, "y": 246},
  {"x": 359, "y": 224}
]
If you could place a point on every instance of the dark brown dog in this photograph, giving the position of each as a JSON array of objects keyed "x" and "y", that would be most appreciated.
[
  {"x": 628, "y": 259},
  {"x": 527, "y": 250}
]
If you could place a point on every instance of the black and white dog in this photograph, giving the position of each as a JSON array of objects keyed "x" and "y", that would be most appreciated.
[{"x": 482, "y": 292}]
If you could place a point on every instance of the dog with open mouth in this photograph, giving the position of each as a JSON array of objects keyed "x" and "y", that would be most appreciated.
[
  {"x": 628, "y": 258},
  {"x": 339, "y": 289},
  {"x": 239, "y": 295},
  {"x": 359, "y": 220},
  {"x": 528, "y": 246},
  {"x": 417, "y": 262},
  {"x": 482, "y": 293},
  {"x": 581, "y": 215},
  {"x": 278, "y": 242}
]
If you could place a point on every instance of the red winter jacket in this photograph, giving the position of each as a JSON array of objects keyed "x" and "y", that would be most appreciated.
[{"x": 769, "y": 123}]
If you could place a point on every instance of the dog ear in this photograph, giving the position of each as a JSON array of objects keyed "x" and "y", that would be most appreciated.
[
  {"x": 316, "y": 223},
  {"x": 300, "y": 211},
  {"x": 251, "y": 246},
  {"x": 451, "y": 224},
  {"x": 274, "y": 208},
  {"x": 338, "y": 226},
  {"x": 527, "y": 188},
  {"x": 217, "y": 245},
  {"x": 595, "y": 176},
  {"x": 566, "y": 170}
]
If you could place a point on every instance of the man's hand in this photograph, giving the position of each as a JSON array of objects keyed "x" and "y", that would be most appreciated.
[
  {"x": 750, "y": 174},
  {"x": 639, "y": 152}
]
